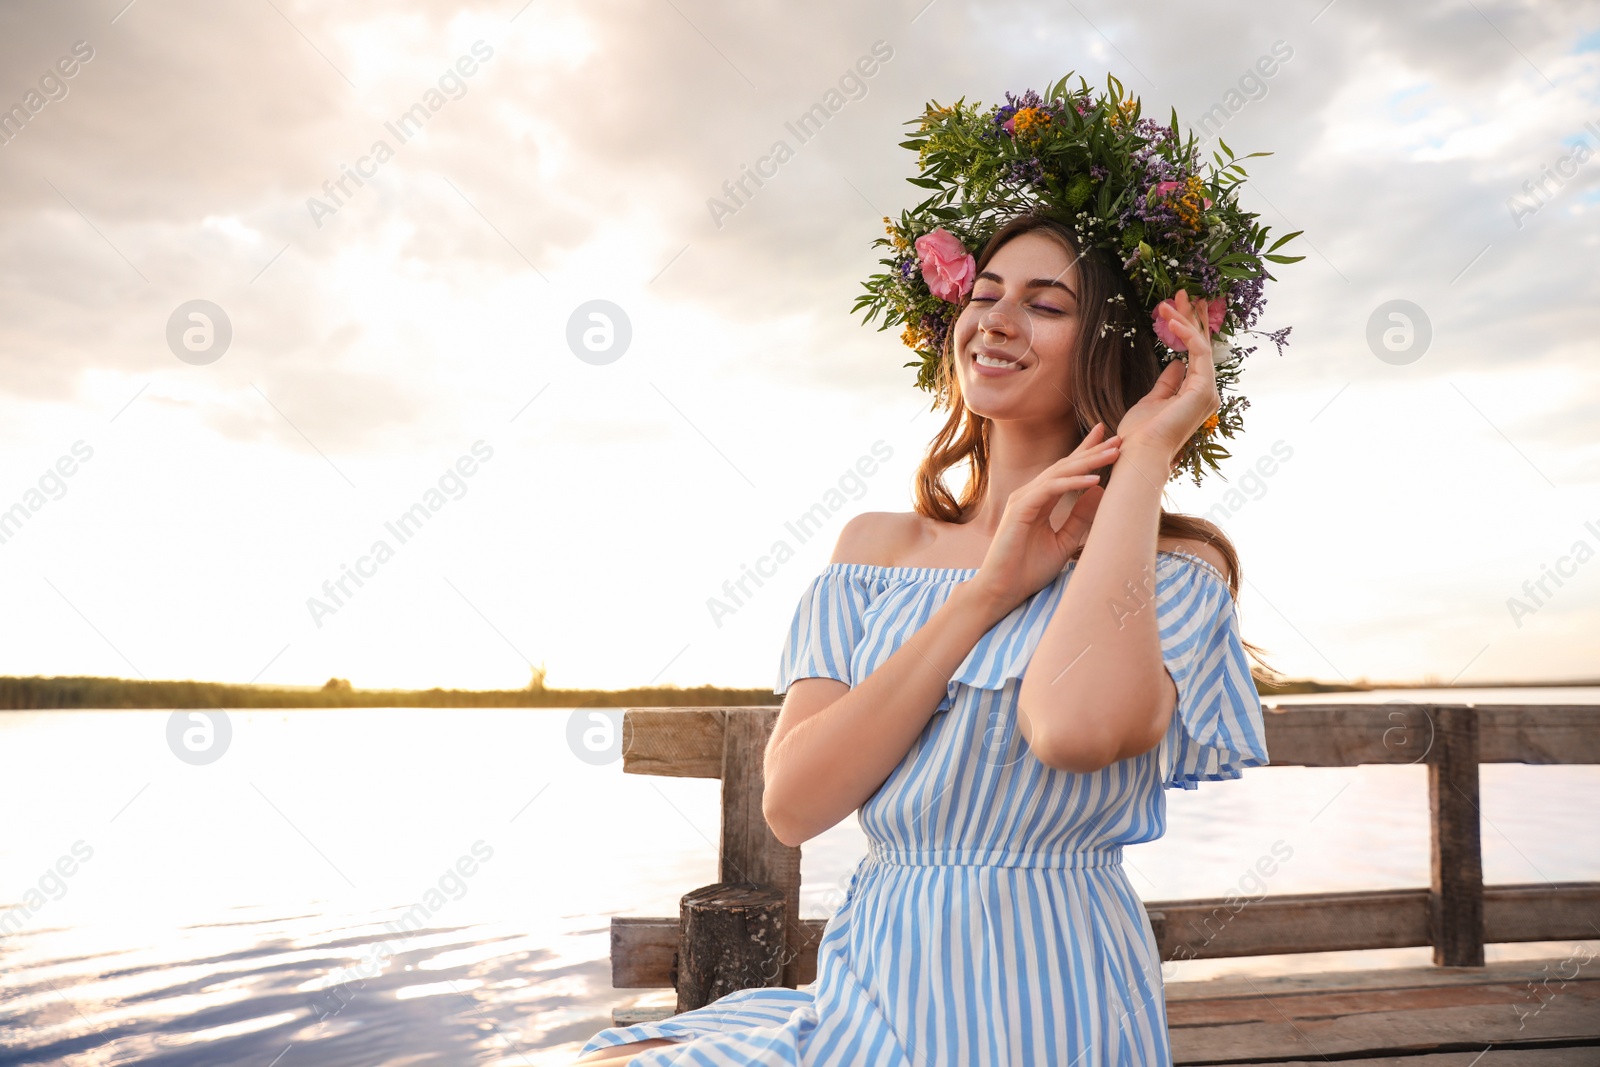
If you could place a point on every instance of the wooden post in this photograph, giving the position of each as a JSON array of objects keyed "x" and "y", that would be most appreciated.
[
  {"x": 730, "y": 936},
  {"x": 1455, "y": 903},
  {"x": 749, "y": 852}
]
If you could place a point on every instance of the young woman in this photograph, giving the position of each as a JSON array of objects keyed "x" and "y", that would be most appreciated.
[{"x": 1004, "y": 684}]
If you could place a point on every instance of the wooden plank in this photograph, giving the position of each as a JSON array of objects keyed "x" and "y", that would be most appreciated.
[
  {"x": 1305, "y": 922},
  {"x": 1387, "y": 1012},
  {"x": 748, "y": 850},
  {"x": 1297, "y": 1019},
  {"x": 644, "y": 952},
  {"x": 679, "y": 742},
  {"x": 1344, "y": 735},
  {"x": 1572, "y": 1056},
  {"x": 1374, "y": 979},
  {"x": 1224, "y": 927},
  {"x": 1541, "y": 911},
  {"x": 687, "y": 742},
  {"x": 641, "y": 949},
  {"x": 1455, "y": 899},
  {"x": 1546, "y": 733},
  {"x": 1400, "y": 731},
  {"x": 631, "y": 1015}
]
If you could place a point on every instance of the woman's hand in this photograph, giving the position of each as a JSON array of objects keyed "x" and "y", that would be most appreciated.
[
  {"x": 1182, "y": 399},
  {"x": 1026, "y": 552}
]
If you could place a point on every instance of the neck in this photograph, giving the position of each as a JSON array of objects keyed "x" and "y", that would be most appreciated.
[{"x": 1018, "y": 450}]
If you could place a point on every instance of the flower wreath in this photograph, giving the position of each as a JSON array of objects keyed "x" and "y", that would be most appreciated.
[{"x": 1122, "y": 182}]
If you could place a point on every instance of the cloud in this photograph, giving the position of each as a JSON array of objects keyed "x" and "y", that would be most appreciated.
[{"x": 577, "y": 163}]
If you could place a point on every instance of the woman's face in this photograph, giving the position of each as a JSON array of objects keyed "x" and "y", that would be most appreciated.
[{"x": 1023, "y": 311}]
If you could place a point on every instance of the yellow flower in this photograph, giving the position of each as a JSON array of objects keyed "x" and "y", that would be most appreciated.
[
  {"x": 1210, "y": 424},
  {"x": 1029, "y": 122},
  {"x": 1188, "y": 203},
  {"x": 895, "y": 236},
  {"x": 934, "y": 115},
  {"x": 1122, "y": 113}
]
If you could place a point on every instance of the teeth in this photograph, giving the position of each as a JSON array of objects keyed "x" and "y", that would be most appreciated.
[{"x": 989, "y": 361}]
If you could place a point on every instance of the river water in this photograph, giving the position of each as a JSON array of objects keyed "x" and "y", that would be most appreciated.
[{"x": 166, "y": 911}]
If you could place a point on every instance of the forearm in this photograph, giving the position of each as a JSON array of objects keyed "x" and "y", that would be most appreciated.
[
  {"x": 1096, "y": 685},
  {"x": 830, "y": 763}
]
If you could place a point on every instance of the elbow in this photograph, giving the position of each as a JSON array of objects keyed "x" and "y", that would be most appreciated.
[
  {"x": 1086, "y": 743},
  {"x": 780, "y": 818},
  {"x": 1077, "y": 754},
  {"x": 1065, "y": 742}
]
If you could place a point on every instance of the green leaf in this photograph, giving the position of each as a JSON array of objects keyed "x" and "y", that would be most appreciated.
[
  {"x": 1283, "y": 259},
  {"x": 926, "y": 183},
  {"x": 1285, "y": 239},
  {"x": 1225, "y": 147}
]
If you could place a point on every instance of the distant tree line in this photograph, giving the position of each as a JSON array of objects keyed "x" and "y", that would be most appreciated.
[
  {"x": 17, "y": 694},
  {"x": 21, "y": 694}
]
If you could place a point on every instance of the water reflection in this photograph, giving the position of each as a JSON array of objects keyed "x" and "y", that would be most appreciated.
[{"x": 233, "y": 913}]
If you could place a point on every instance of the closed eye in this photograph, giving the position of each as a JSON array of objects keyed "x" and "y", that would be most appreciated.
[{"x": 1041, "y": 307}]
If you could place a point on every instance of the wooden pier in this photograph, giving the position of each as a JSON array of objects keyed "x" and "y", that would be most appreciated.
[{"x": 1457, "y": 1013}]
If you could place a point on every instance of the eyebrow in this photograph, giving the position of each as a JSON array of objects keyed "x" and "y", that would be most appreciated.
[{"x": 1036, "y": 283}]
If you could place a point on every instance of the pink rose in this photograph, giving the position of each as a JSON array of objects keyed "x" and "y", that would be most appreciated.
[
  {"x": 946, "y": 266},
  {"x": 1216, "y": 308}
]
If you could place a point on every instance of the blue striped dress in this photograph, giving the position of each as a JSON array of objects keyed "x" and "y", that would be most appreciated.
[{"x": 991, "y": 921}]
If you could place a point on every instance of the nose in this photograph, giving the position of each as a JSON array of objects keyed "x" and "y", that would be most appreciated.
[{"x": 993, "y": 323}]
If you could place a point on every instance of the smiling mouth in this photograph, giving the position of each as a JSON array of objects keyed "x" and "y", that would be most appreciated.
[{"x": 997, "y": 360}]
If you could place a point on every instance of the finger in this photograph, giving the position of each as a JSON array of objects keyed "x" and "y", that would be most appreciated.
[
  {"x": 1083, "y": 460},
  {"x": 1088, "y": 448},
  {"x": 1184, "y": 325},
  {"x": 1093, "y": 439},
  {"x": 1041, "y": 496},
  {"x": 1202, "y": 362},
  {"x": 1199, "y": 392},
  {"x": 1080, "y": 518},
  {"x": 1169, "y": 381},
  {"x": 1196, "y": 340}
]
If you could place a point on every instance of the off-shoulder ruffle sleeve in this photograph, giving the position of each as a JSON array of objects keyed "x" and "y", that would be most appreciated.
[
  {"x": 827, "y": 626},
  {"x": 1216, "y": 729}
]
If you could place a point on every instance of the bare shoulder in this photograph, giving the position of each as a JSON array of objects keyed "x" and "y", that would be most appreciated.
[
  {"x": 877, "y": 538},
  {"x": 1203, "y": 549}
]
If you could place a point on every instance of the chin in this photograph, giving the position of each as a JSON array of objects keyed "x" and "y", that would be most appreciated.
[{"x": 993, "y": 402}]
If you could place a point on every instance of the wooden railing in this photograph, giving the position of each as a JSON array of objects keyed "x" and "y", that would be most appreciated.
[{"x": 1456, "y": 913}]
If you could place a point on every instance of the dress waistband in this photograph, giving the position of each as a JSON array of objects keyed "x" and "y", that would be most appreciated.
[{"x": 993, "y": 857}]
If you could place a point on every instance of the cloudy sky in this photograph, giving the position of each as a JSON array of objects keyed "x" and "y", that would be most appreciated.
[{"x": 406, "y": 332}]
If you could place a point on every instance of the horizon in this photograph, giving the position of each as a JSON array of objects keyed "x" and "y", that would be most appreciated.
[{"x": 1363, "y": 684}]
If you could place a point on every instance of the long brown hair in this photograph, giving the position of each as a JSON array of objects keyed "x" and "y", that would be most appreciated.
[{"x": 1115, "y": 365}]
